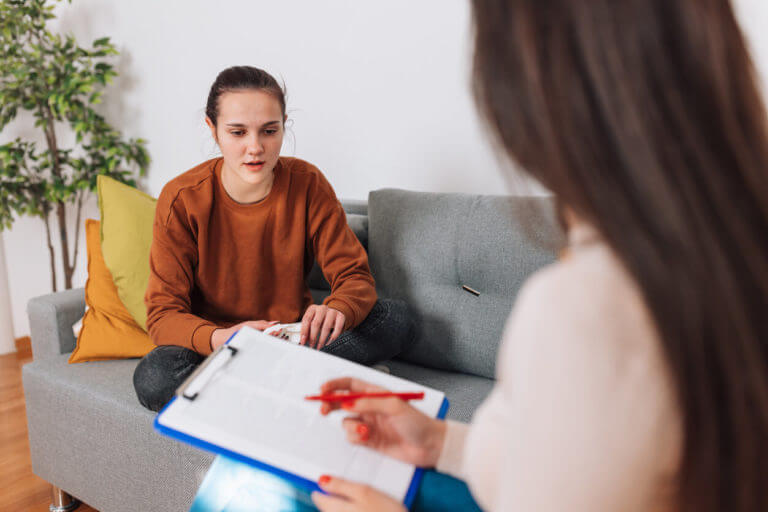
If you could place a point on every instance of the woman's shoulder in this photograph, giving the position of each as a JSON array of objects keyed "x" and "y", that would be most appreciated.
[
  {"x": 197, "y": 178},
  {"x": 305, "y": 175},
  {"x": 302, "y": 170},
  {"x": 587, "y": 296},
  {"x": 194, "y": 177}
]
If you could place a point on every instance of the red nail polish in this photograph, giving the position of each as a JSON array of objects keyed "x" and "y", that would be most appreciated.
[
  {"x": 323, "y": 480},
  {"x": 348, "y": 404},
  {"x": 363, "y": 431}
]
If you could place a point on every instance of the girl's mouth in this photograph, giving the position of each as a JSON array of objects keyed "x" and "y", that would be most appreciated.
[{"x": 254, "y": 165}]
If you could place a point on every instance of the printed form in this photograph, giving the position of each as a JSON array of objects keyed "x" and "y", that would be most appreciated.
[{"x": 253, "y": 404}]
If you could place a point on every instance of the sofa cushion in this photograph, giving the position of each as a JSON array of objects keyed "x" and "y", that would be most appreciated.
[
  {"x": 424, "y": 247},
  {"x": 127, "y": 215},
  {"x": 464, "y": 392},
  {"x": 109, "y": 331},
  {"x": 88, "y": 434}
]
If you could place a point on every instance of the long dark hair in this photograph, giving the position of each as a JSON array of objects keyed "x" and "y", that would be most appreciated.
[{"x": 644, "y": 118}]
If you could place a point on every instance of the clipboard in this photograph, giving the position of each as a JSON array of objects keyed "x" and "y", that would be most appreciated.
[{"x": 214, "y": 409}]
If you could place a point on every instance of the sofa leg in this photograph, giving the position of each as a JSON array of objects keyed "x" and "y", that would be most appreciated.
[{"x": 61, "y": 501}]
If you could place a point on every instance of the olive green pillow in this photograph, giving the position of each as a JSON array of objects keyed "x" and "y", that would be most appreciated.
[{"x": 127, "y": 215}]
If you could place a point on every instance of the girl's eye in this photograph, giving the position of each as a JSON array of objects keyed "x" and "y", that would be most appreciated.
[
  {"x": 237, "y": 133},
  {"x": 270, "y": 131}
]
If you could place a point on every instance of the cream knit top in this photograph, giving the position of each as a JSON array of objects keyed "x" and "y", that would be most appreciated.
[{"x": 583, "y": 416}]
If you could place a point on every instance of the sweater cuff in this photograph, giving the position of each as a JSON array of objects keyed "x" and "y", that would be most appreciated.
[
  {"x": 201, "y": 339},
  {"x": 349, "y": 317},
  {"x": 452, "y": 456}
]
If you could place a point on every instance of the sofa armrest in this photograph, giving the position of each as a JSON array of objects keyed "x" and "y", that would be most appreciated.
[{"x": 50, "y": 321}]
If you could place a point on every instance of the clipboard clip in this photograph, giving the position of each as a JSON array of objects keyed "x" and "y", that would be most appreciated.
[{"x": 207, "y": 369}]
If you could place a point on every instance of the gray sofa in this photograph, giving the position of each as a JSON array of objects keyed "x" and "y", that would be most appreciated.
[{"x": 89, "y": 435}]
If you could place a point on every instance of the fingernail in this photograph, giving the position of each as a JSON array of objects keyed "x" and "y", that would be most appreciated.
[
  {"x": 348, "y": 404},
  {"x": 363, "y": 431},
  {"x": 323, "y": 480}
]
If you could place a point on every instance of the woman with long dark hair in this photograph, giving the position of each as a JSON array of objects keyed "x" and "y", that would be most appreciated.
[{"x": 633, "y": 374}]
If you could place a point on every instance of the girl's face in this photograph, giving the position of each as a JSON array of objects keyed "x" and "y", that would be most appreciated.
[{"x": 249, "y": 132}]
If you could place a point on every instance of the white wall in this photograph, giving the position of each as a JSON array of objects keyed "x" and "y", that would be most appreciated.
[{"x": 377, "y": 92}]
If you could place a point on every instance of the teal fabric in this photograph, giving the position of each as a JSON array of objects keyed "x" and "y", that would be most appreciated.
[
  {"x": 441, "y": 492},
  {"x": 232, "y": 486}
]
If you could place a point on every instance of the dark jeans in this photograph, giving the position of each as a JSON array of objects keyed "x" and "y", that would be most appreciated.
[{"x": 386, "y": 332}]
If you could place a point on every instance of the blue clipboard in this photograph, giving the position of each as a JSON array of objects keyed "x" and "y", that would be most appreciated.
[{"x": 303, "y": 483}]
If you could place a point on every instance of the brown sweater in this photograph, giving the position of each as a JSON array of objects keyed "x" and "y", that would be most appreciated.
[{"x": 215, "y": 262}]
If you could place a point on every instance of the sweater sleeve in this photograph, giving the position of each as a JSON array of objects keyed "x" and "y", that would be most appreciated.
[
  {"x": 340, "y": 256},
  {"x": 172, "y": 261}
]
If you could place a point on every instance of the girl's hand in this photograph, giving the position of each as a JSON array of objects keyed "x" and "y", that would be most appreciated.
[
  {"x": 388, "y": 425},
  {"x": 321, "y": 325},
  {"x": 220, "y": 336},
  {"x": 349, "y": 496}
]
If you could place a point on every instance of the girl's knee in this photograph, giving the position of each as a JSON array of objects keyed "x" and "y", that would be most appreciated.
[{"x": 160, "y": 372}]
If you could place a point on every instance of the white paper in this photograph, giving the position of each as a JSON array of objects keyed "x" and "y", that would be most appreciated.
[{"x": 254, "y": 405}]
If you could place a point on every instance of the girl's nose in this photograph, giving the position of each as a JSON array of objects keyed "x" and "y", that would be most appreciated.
[{"x": 255, "y": 146}]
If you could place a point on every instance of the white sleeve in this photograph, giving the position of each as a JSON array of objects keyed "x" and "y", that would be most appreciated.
[
  {"x": 452, "y": 456},
  {"x": 577, "y": 417}
]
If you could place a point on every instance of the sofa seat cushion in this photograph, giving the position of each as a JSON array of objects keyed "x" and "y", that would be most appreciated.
[
  {"x": 464, "y": 392},
  {"x": 84, "y": 418}
]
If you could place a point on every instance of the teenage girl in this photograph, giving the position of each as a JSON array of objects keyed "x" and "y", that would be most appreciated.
[{"x": 234, "y": 239}]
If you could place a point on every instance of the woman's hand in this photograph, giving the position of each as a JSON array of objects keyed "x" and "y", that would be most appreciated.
[
  {"x": 346, "y": 496},
  {"x": 321, "y": 325},
  {"x": 388, "y": 425},
  {"x": 220, "y": 336},
  {"x": 349, "y": 496}
]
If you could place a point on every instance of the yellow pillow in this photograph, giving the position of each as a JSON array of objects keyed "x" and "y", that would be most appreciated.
[
  {"x": 109, "y": 331},
  {"x": 127, "y": 215}
]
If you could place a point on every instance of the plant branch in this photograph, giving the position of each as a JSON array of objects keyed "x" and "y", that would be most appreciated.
[
  {"x": 50, "y": 249},
  {"x": 77, "y": 227}
]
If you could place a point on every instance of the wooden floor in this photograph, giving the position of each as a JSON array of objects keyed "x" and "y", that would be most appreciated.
[{"x": 20, "y": 489}]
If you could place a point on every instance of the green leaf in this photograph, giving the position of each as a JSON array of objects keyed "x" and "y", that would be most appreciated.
[{"x": 51, "y": 71}]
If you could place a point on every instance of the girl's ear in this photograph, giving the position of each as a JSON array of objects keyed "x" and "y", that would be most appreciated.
[{"x": 212, "y": 127}]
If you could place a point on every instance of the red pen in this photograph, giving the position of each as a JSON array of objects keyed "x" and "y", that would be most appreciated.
[{"x": 344, "y": 397}]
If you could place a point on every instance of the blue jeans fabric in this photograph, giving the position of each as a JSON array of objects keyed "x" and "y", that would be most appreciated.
[
  {"x": 232, "y": 486},
  {"x": 386, "y": 332}
]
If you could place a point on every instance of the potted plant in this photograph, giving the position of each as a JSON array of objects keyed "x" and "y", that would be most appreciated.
[{"x": 59, "y": 82}]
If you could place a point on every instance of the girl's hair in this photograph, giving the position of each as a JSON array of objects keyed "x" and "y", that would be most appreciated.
[
  {"x": 644, "y": 117},
  {"x": 238, "y": 78}
]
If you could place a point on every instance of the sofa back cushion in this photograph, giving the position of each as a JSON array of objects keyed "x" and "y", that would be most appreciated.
[{"x": 425, "y": 247}]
